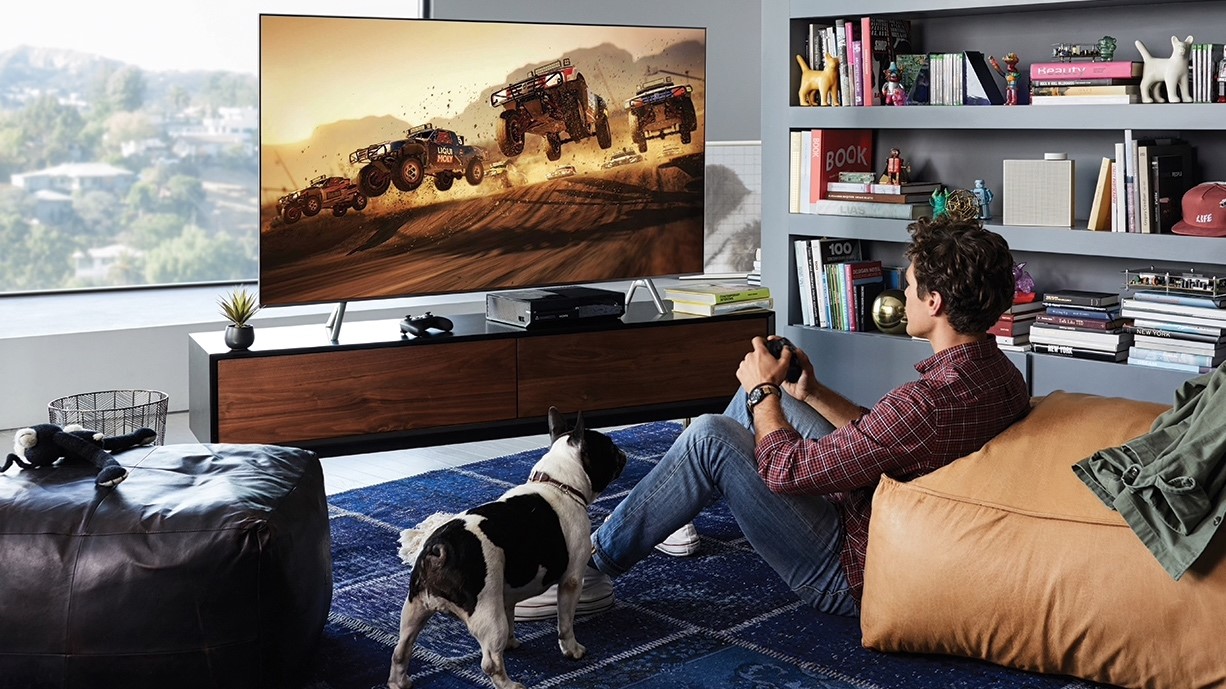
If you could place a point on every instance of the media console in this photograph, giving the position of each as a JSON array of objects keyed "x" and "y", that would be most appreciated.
[{"x": 374, "y": 390}]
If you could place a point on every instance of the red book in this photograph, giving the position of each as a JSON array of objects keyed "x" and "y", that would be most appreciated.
[
  {"x": 835, "y": 151},
  {"x": 1062, "y": 71}
]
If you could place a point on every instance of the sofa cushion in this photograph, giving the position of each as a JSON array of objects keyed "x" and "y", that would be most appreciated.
[{"x": 1005, "y": 555}]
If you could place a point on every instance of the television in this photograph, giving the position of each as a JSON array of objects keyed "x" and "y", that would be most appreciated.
[{"x": 411, "y": 157}]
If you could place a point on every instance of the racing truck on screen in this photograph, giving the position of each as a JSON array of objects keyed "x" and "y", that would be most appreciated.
[
  {"x": 425, "y": 151},
  {"x": 337, "y": 193},
  {"x": 554, "y": 102},
  {"x": 661, "y": 108}
]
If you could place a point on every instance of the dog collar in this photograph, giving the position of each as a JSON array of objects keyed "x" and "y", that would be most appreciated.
[{"x": 542, "y": 477}]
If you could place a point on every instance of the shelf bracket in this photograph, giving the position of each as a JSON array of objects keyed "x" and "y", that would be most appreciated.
[
  {"x": 333, "y": 324},
  {"x": 650, "y": 286}
]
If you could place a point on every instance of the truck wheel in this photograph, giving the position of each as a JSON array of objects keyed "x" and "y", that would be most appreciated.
[
  {"x": 642, "y": 144},
  {"x": 443, "y": 181},
  {"x": 573, "y": 117},
  {"x": 359, "y": 202},
  {"x": 475, "y": 172},
  {"x": 553, "y": 150},
  {"x": 604, "y": 135},
  {"x": 411, "y": 173},
  {"x": 338, "y": 211},
  {"x": 291, "y": 215},
  {"x": 510, "y": 136},
  {"x": 686, "y": 136},
  {"x": 312, "y": 207},
  {"x": 373, "y": 181}
]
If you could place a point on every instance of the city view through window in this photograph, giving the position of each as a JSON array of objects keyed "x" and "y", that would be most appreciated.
[{"x": 129, "y": 139}]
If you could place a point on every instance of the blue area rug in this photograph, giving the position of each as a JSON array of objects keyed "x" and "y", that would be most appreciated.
[{"x": 718, "y": 619}]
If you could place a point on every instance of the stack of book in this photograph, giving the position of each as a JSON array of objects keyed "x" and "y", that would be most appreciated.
[
  {"x": 1179, "y": 331},
  {"x": 1148, "y": 179},
  {"x": 754, "y": 276},
  {"x": 1081, "y": 324},
  {"x": 716, "y": 298},
  {"x": 1012, "y": 329},
  {"x": 909, "y": 201},
  {"x": 836, "y": 287},
  {"x": 1085, "y": 83}
]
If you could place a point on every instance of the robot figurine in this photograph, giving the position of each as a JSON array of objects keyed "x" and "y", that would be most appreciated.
[
  {"x": 984, "y": 196},
  {"x": 895, "y": 169}
]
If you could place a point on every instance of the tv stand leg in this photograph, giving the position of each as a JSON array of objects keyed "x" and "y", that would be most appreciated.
[
  {"x": 650, "y": 286},
  {"x": 333, "y": 324}
]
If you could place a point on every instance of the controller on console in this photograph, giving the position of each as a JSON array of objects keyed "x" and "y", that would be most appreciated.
[
  {"x": 421, "y": 325},
  {"x": 776, "y": 347}
]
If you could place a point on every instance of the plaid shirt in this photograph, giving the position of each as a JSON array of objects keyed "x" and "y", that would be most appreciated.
[{"x": 965, "y": 396}]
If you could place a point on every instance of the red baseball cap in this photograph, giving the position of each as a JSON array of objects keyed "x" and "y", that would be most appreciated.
[{"x": 1204, "y": 211}]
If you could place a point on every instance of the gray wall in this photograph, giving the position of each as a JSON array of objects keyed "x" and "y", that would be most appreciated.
[{"x": 734, "y": 28}]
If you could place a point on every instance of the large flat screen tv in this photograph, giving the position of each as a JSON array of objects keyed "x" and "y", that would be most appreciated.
[{"x": 407, "y": 157}]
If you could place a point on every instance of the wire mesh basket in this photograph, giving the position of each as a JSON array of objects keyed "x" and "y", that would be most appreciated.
[{"x": 113, "y": 412}]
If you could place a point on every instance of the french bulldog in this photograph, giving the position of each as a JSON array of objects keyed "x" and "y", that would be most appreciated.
[{"x": 478, "y": 564}]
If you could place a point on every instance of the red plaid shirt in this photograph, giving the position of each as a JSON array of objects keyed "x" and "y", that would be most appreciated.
[{"x": 965, "y": 396}]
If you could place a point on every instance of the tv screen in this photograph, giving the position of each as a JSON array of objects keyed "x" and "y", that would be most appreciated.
[{"x": 406, "y": 157}]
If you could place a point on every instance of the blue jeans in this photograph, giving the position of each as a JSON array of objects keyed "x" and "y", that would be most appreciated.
[{"x": 799, "y": 536}]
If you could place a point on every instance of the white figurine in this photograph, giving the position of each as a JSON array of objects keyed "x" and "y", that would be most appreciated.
[{"x": 1170, "y": 71}]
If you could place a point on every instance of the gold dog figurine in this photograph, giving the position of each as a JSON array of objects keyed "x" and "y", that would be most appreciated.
[{"x": 823, "y": 83}]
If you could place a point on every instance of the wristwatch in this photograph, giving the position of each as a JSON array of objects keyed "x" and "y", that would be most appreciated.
[{"x": 760, "y": 393}]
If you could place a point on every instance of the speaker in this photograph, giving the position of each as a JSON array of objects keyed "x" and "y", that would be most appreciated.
[{"x": 1039, "y": 192}]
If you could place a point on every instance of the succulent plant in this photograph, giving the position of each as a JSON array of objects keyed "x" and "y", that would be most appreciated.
[{"x": 238, "y": 306}]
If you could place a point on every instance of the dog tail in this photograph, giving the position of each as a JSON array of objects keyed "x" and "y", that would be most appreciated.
[
  {"x": 804, "y": 66},
  {"x": 1144, "y": 53},
  {"x": 412, "y": 540}
]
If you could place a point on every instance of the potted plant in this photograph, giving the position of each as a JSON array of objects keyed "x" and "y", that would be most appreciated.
[{"x": 238, "y": 306}]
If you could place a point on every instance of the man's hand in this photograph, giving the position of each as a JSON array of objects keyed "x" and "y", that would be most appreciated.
[
  {"x": 760, "y": 366},
  {"x": 806, "y": 386}
]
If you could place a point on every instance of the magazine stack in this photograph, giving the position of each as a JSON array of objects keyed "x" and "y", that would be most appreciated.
[{"x": 1178, "y": 319}]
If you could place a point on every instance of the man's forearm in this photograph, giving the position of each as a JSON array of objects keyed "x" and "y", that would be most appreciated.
[{"x": 836, "y": 409}]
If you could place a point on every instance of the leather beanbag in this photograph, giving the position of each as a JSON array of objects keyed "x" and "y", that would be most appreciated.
[
  {"x": 210, "y": 566},
  {"x": 1007, "y": 556}
]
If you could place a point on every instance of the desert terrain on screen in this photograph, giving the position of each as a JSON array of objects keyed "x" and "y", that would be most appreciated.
[{"x": 407, "y": 157}]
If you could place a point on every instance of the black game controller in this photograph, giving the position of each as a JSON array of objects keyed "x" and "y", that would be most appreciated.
[
  {"x": 421, "y": 325},
  {"x": 776, "y": 347}
]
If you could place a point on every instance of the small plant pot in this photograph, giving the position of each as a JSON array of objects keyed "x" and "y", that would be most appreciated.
[{"x": 239, "y": 337}]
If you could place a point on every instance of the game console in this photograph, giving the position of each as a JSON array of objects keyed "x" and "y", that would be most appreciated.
[{"x": 553, "y": 306}]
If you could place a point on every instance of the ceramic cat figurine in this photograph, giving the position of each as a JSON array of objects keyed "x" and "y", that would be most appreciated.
[{"x": 1169, "y": 71}]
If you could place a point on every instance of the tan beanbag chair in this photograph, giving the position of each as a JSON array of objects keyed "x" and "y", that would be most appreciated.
[{"x": 1007, "y": 556}]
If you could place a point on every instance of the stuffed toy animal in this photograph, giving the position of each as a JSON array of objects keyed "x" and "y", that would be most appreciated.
[{"x": 42, "y": 444}]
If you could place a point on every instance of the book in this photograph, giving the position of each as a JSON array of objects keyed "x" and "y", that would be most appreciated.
[
  {"x": 1079, "y": 297},
  {"x": 1183, "y": 331},
  {"x": 1169, "y": 365},
  {"x": 720, "y": 309},
  {"x": 907, "y": 188},
  {"x": 1089, "y": 82},
  {"x": 868, "y": 209},
  {"x": 914, "y": 77},
  {"x": 878, "y": 198},
  {"x": 804, "y": 280},
  {"x": 1067, "y": 323},
  {"x": 1119, "y": 99},
  {"x": 834, "y": 151},
  {"x": 1100, "y": 207},
  {"x": 1159, "y": 297},
  {"x": 846, "y": 98},
  {"x": 806, "y": 171},
  {"x": 1102, "y": 314},
  {"x": 1187, "y": 346},
  {"x": 881, "y": 41},
  {"x": 1041, "y": 89},
  {"x": 1010, "y": 328},
  {"x": 1054, "y": 71},
  {"x": 1119, "y": 207},
  {"x": 715, "y": 292},
  {"x": 1153, "y": 308},
  {"x": 1076, "y": 352},
  {"x": 1171, "y": 170},
  {"x": 1026, "y": 307},
  {"x": 794, "y": 158},
  {"x": 1130, "y": 182},
  {"x": 1105, "y": 340},
  {"x": 1011, "y": 340},
  {"x": 980, "y": 86},
  {"x": 826, "y": 251},
  {"x": 858, "y": 276}
]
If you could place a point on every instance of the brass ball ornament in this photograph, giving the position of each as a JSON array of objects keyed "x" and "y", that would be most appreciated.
[
  {"x": 890, "y": 312},
  {"x": 961, "y": 204}
]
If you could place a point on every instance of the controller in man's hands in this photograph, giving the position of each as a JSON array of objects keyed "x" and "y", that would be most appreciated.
[
  {"x": 776, "y": 347},
  {"x": 421, "y": 325}
]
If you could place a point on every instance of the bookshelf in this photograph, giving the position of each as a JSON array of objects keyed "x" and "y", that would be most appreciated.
[{"x": 958, "y": 144}]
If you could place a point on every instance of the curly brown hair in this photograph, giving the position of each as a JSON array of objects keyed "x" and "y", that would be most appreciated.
[{"x": 969, "y": 266}]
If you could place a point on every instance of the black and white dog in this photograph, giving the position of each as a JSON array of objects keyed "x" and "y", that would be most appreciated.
[{"x": 478, "y": 564}]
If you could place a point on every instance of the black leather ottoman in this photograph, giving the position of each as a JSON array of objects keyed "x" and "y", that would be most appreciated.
[{"x": 210, "y": 566}]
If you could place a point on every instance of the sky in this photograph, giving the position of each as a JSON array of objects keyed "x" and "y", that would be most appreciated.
[{"x": 168, "y": 34}]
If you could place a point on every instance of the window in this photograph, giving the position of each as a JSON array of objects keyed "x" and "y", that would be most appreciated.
[{"x": 128, "y": 146}]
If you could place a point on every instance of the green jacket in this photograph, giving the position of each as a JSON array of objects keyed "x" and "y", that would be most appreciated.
[{"x": 1168, "y": 484}]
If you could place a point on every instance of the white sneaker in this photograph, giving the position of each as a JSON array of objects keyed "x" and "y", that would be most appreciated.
[
  {"x": 596, "y": 596},
  {"x": 680, "y": 543}
]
